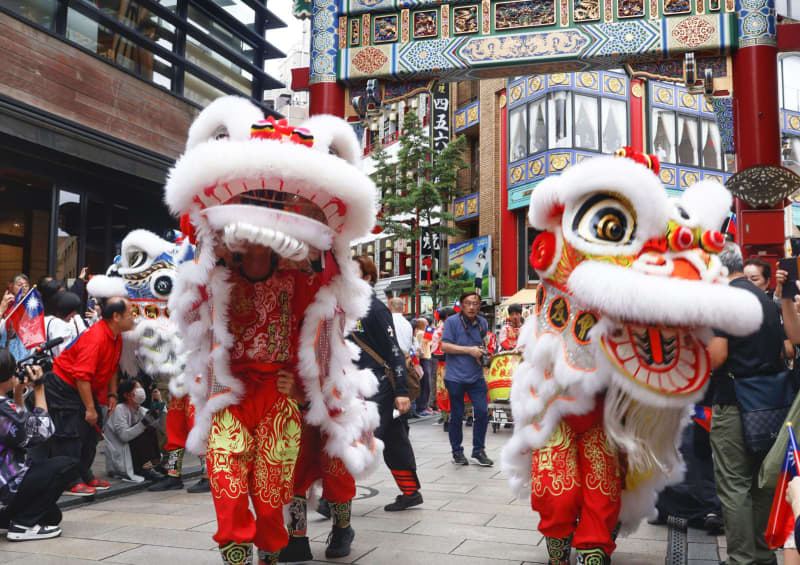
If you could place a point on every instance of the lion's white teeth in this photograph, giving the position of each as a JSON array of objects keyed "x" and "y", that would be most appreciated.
[{"x": 284, "y": 245}]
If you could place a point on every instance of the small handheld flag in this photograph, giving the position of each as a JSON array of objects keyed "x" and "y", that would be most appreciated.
[
  {"x": 457, "y": 306},
  {"x": 702, "y": 417},
  {"x": 731, "y": 228},
  {"x": 781, "y": 517},
  {"x": 428, "y": 335},
  {"x": 27, "y": 319}
]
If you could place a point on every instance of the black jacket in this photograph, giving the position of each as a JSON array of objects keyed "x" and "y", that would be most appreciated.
[{"x": 376, "y": 329}]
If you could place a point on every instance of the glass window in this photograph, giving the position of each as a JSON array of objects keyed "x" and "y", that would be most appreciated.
[
  {"x": 219, "y": 66},
  {"x": 222, "y": 34},
  {"x": 518, "y": 131},
  {"x": 118, "y": 49},
  {"x": 199, "y": 91},
  {"x": 586, "y": 129},
  {"x": 559, "y": 123},
  {"x": 790, "y": 67},
  {"x": 663, "y": 130},
  {"x": 537, "y": 137},
  {"x": 712, "y": 145},
  {"x": 138, "y": 18},
  {"x": 42, "y": 12},
  {"x": 69, "y": 228},
  {"x": 687, "y": 141},
  {"x": 615, "y": 124}
]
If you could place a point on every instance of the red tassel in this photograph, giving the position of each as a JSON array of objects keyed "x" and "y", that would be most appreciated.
[{"x": 188, "y": 229}]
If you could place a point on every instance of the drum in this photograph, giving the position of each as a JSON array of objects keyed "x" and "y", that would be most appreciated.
[{"x": 498, "y": 378}]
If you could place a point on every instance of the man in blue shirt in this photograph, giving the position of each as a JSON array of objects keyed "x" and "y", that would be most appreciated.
[{"x": 463, "y": 342}]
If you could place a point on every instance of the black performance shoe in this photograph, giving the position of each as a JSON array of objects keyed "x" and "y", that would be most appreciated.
[
  {"x": 200, "y": 486},
  {"x": 152, "y": 475},
  {"x": 324, "y": 508},
  {"x": 339, "y": 541},
  {"x": 482, "y": 460},
  {"x": 170, "y": 483},
  {"x": 459, "y": 459},
  {"x": 713, "y": 525},
  {"x": 404, "y": 501},
  {"x": 298, "y": 549}
]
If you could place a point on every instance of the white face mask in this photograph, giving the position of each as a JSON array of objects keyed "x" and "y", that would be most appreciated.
[{"x": 139, "y": 395}]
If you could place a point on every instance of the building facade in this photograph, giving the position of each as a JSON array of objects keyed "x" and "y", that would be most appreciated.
[{"x": 96, "y": 98}]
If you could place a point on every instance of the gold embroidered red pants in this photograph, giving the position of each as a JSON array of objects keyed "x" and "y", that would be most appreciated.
[
  {"x": 251, "y": 454},
  {"x": 576, "y": 483},
  {"x": 180, "y": 419},
  {"x": 314, "y": 463}
]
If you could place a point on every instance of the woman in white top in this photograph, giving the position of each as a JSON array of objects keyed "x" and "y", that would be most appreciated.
[{"x": 65, "y": 322}]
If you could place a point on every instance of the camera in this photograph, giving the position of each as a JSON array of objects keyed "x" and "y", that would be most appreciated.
[
  {"x": 486, "y": 360},
  {"x": 41, "y": 357}
]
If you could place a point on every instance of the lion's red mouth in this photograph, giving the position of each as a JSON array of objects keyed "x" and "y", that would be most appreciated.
[{"x": 666, "y": 360}]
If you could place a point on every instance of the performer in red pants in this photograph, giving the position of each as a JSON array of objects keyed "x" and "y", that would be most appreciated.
[
  {"x": 577, "y": 475},
  {"x": 180, "y": 419},
  {"x": 264, "y": 308},
  {"x": 338, "y": 489}
]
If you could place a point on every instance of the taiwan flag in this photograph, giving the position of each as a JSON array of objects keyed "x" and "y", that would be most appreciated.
[
  {"x": 457, "y": 306},
  {"x": 781, "y": 518},
  {"x": 27, "y": 319},
  {"x": 428, "y": 335},
  {"x": 702, "y": 417},
  {"x": 730, "y": 229}
]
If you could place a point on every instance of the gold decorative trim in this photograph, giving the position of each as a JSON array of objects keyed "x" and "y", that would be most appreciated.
[
  {"x": 701, "y": 6},
  {"x": 405, "y": 25},
  {"x": 503, "y": 101},
  {"x": 366, "y": 30},
  {"x": 564, "y": 18},
  {"x": 486, "y": 17},
  {"x": 343, "y": 32},
  {"x": 637, "y": 90},
  {"x": 445, "y": 20},
  {"x": 559, "y": 161}
]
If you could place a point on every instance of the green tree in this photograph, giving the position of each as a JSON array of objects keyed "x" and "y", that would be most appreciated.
[{"x": 416, "y": 190}]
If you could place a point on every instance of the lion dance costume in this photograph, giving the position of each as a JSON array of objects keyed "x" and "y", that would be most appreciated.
[
  {"x": 145, "y": 272},
  {"x": 616, "y": 353},
  {"x": 246, "y": 182}
]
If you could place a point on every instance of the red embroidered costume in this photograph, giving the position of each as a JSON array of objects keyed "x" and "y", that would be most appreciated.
[
  {"x": 615, "y": 353},
  {"x": 272, "y": 203}
]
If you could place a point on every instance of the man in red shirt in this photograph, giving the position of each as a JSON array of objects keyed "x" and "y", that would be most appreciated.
[{"x": 83, "y": 379}]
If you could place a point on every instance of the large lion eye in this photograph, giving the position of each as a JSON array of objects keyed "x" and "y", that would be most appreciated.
[
  {"x": 604, "y": 219},
  {"x": 136, "y": 259},
  {"x": 220, "y": 133}
]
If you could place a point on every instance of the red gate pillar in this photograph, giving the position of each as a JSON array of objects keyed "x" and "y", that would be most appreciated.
[
  {"x": 636, "y": 97},
  {"x": 509, "y": 271},
  {"x": 326, "y": 96},
  {"x": 756, "y": 111}
]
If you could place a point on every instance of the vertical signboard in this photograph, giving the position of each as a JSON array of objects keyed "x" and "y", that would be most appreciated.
[{"x": 440, "y": 116}]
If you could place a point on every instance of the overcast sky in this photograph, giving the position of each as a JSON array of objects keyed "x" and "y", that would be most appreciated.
[{"x": 285, "y": 37}]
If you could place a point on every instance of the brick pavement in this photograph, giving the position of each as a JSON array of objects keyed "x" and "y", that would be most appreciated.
[{"x": 469, "y": 518}]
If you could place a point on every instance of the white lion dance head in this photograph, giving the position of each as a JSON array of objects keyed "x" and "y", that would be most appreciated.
[
  {"x": 246, "y": 180},
  {"x": 631, "y": 285},
  {"x": 145, "y": 272}
]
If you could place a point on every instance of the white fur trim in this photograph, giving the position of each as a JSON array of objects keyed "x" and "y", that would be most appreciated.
[
  {"x": 101, "y": 286},
  {"x": 632, "y": 296},
  {"x": 334, "y": 134},
  {"x": 708, "y": 204}
]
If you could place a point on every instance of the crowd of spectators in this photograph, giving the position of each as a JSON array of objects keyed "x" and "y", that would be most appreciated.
[{"x": 48, "y": 449}]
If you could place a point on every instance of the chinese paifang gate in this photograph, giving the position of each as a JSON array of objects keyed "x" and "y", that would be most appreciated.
[
  {"x": 250, "y": 187},
  {"x": 616, "y": 353}
]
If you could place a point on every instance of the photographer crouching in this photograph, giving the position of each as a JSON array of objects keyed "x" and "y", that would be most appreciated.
[{"x": 29, "y": 491}]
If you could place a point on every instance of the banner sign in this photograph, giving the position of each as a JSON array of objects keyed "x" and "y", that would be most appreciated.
[{"x": 471, "y": 262}]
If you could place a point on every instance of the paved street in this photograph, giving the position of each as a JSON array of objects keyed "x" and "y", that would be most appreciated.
[{"x": 469, "y": 518}]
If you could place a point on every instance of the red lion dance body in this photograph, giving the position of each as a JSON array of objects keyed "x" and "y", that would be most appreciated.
[{"x": 265, "y": 306}]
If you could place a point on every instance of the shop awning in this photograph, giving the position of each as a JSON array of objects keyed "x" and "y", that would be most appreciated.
[{"x": 524, "y": 296}]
